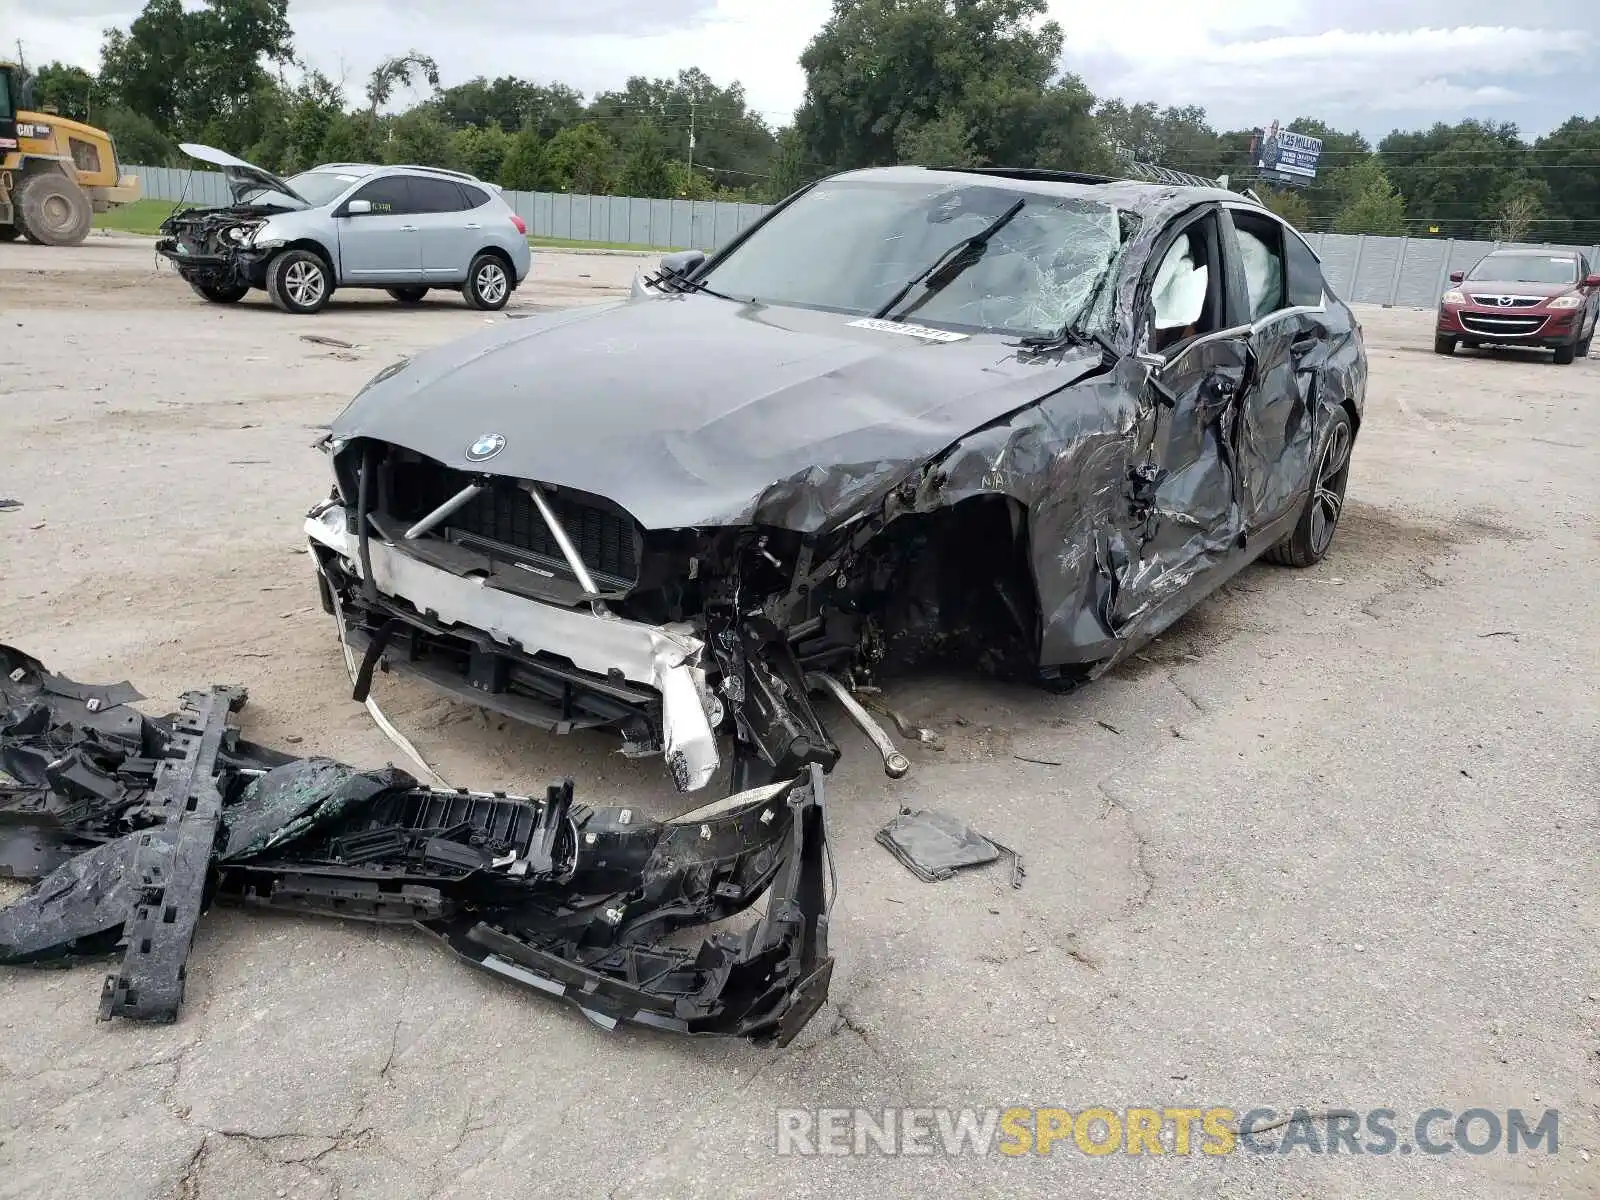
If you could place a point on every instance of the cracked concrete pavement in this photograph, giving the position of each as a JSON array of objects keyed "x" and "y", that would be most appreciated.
[{"x": 1329, "y": 843}]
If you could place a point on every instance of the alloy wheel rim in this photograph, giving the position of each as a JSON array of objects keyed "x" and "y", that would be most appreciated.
[
  {"x": 303, "y": 281},
  {"x": 1328, "y": 500},
  {"x": 491, "y": 283}
]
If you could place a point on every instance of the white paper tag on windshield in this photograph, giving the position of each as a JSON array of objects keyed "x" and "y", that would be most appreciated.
[{"x": 920, "y": 331}]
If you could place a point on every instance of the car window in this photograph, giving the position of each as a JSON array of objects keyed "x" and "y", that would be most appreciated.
[
  {"x": 1260, "y": 242},
  {"x": 1526, "y": 268},
  {"x": 321, "y": 187},
  {"x": 389, "y": 196},
  {"x": 431, "y": 195},
  {"x": 476, "y": 196},
  {"x": 1186, "y": 292},
  {"x": 849, "y": 246},
  {"x": 1181, "y": 282},
  {"x": 1307, "y": 286}
]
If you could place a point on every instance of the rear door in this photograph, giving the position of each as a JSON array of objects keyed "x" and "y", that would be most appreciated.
[
  {"x": 1289, "y": 338},
  {"x": 383, "y": 246},
  {"x": 448, "y": 233}
]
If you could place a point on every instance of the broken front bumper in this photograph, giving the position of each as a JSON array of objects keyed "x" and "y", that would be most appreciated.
[
  {"x": 584, "y": 668},
  {"x": 132, "y": 825}
]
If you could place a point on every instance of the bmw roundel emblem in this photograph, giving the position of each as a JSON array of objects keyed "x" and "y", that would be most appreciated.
[{"x": 486, "y": 447}]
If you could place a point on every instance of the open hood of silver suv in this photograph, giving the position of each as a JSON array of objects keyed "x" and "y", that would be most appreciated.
[{"x": 243, "y": 178}]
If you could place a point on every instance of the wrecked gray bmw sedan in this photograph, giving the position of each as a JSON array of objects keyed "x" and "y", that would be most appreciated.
[{"x": 1018, "y": 419}]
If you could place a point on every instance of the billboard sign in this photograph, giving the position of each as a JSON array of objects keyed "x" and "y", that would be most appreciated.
[{"x": 1286, "y": 157}]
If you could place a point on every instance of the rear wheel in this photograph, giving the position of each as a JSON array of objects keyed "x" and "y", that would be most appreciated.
[
  {"x": 1565, "y": 354},
  {"x": 1443, "y": 344},
  {"x": 220, "y": 293},
  {"x": 299, "y": 282},
  {"x": 488, "y": 283},
  {"x": 408, "y": 295},
  {"x": 1313, "y": 533},
  {"x": 52, "y": 210}
]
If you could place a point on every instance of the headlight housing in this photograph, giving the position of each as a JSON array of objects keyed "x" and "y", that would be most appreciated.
[
  {"x": 264, "y": 237},
  {"x": 1455, "y": 296},
  {"x": 1570, "y": 300}
]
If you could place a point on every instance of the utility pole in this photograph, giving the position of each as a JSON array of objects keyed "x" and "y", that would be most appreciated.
[{"x": 692, "y": 103}]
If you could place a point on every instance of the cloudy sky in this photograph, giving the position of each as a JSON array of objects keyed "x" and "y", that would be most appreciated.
[{"x": 1368, "y": 64}]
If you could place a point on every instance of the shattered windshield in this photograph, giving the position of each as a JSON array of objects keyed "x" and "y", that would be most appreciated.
[
  {"x": 1527, "y": 268},
  {"x": 848, "y": 246}
]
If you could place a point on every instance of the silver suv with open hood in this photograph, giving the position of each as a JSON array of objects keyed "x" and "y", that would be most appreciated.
[{"x": 404, "y": 229}]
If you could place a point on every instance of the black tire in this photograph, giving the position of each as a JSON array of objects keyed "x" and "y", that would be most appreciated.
[
  {"x": 408, "y": 295},
  {"x": 1443, "y": 344},
  {"x": 220, "y": 293},
  {"x": 299, "y": 282},
  {"x": 1319, "y": 520},
  {"x": 488, "y": 284},
  {"x": 9, "y": 233},
  {"x": 52, "y": 210},
  {"x": 1565, "y": 354}
]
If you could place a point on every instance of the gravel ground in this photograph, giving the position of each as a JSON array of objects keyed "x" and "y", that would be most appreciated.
[{"x": 1329, "y": 843}]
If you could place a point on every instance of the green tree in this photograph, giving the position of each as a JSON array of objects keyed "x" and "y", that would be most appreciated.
[
  {"x": 481, "y": 150},
  {"x": 879, "y": 66},
  {"x": 189, "y": 71},
  {"x": 1453, "y": 175},
  {"x": 945, "y": 141},
  {"x": 346, "y": 141},
  {"x": 69, "y": 91},
  {"x": 1519, "y": 209},
  {"x": 791, "y": 168},
  {"x": 1290, "y": 204},
  {"x": 509, "y": 103},
  {"x": 644, "y": 163},
  {"x": 1569, "y": 164},
  {"x": 403, "y": 70},
  {"x": 523, "y": 168},
  {"x": 420, "y": 138},
  {"x": 1370, "y": 202},
  {"x": 686, "y": 184},
  {"x": 138, "y": 140},
  {"x": 579, "y": 159},
  {"x": 315, "y": 106}
]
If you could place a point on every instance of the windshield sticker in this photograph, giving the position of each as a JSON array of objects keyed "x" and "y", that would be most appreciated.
[{"x": 920, "y": 331}]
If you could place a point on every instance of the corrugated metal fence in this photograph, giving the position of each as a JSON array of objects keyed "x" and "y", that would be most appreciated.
[{"x": 1410, "y": 272}]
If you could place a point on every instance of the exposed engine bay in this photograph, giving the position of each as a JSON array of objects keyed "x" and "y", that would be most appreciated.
[
  {"x": 686, "y": 642},
  {"x": 211, "y": 246}
]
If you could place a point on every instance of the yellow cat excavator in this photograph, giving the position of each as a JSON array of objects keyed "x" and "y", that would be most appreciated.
[{"x": 55, "y": 174}]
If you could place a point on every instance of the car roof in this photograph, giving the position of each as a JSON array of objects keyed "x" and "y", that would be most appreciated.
[
  {"x": 1137, "y": 195},
  {"x": 365, "y": 169}
]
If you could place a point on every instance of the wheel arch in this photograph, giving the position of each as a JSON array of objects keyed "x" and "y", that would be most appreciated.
[{"x": 505, "y": 259}]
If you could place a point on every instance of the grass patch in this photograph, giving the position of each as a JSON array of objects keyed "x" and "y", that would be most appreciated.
[
  {"x": 145, "y": 217},
  {"x": 573, "y": 244},
  {"x": 142, "y": 217}
]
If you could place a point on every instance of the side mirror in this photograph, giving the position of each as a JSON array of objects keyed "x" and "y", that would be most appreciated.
[
  {"x": 684, "y": 262},
  {"x": 358, "y": 208},
  {"x": 1457, "y": 276},
  {"x": 1591, "y": 281}
]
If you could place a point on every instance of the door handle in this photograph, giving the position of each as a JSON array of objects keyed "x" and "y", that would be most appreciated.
[
  {"x": 472, "y": 225},
  {"x": 408, "y": 229}
]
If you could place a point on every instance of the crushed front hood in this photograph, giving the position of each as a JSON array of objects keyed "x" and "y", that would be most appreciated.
[
  {"x": 694, "y": 411},
  {"x": 243, "y": 177}
]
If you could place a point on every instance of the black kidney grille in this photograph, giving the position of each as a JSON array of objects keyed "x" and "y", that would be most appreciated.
[{"x": 505, "y": 513}]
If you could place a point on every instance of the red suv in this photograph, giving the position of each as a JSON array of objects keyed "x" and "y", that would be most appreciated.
[{"x": 1522, "y": 298}]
